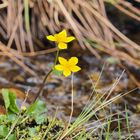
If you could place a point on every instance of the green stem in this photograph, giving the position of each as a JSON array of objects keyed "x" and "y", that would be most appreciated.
[
  {"x": 45, "y": 78},
  {"x": 42, "y": 85},
  {"x": 56, "y": 58}
]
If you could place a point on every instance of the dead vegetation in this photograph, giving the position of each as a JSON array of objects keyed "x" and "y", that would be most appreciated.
[{"x": 24, "y": 25}]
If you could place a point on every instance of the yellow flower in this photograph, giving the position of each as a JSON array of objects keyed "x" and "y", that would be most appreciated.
[
  {"x": 61, "y": 38},
  {"x": 67, "y": 66}
]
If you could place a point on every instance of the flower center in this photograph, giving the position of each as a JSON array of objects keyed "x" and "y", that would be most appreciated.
[
  {"x": 60, "y": 38},
  {"x": 68, "y": 67}
]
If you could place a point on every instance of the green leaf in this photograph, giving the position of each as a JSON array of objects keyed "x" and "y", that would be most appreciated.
[
  {"x": 3, "y": 131},
  {"x": 37, "y": 108},
  {"x": 12, "y": 137},
  {"x": 40, "y": 119},
  {"x": 32, "y": 131},
  {"x": 38, "y": 111},
  {"x": 57, "y": 73},
  {"x": 2, "y": 118},
  {"x": 13, "y": 106},
  {"x": 11, "y": 117},
  {"x": 10, "y": 101},
  {"x": 31, "y": 108},
  {"x": 5, "y": 94}
]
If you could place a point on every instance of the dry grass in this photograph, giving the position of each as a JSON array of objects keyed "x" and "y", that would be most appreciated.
[{"x": 87, "y": 19}]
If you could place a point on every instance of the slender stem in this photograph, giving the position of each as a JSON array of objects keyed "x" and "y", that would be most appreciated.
[
  {"x": 72, "y": 94},
  {"x": 66, "y": 131},
  {"x": 45, "y": 78},
  {"x": 56, "y": 58},
  {"x": 127, "y": 123},
  {"x": 42, "y": 85}
]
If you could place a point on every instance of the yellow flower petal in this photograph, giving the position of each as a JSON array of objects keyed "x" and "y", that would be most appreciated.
[
  {"x": 62, "y": 45},
  {"x": 62, "y": 61},
  {"x": 66, "y": 72},
  {"x": 51, "y": 38},
  {"x": 59, "y": 67},
  {"x": 62, "y": 33},
  {"x": 73, "y": 61},
  {"x": 69, "y": 39},
  {"x": 75, "y": 68}
]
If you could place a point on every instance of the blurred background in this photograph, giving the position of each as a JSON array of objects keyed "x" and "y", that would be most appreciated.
[{"x": 107, "y": 44}]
